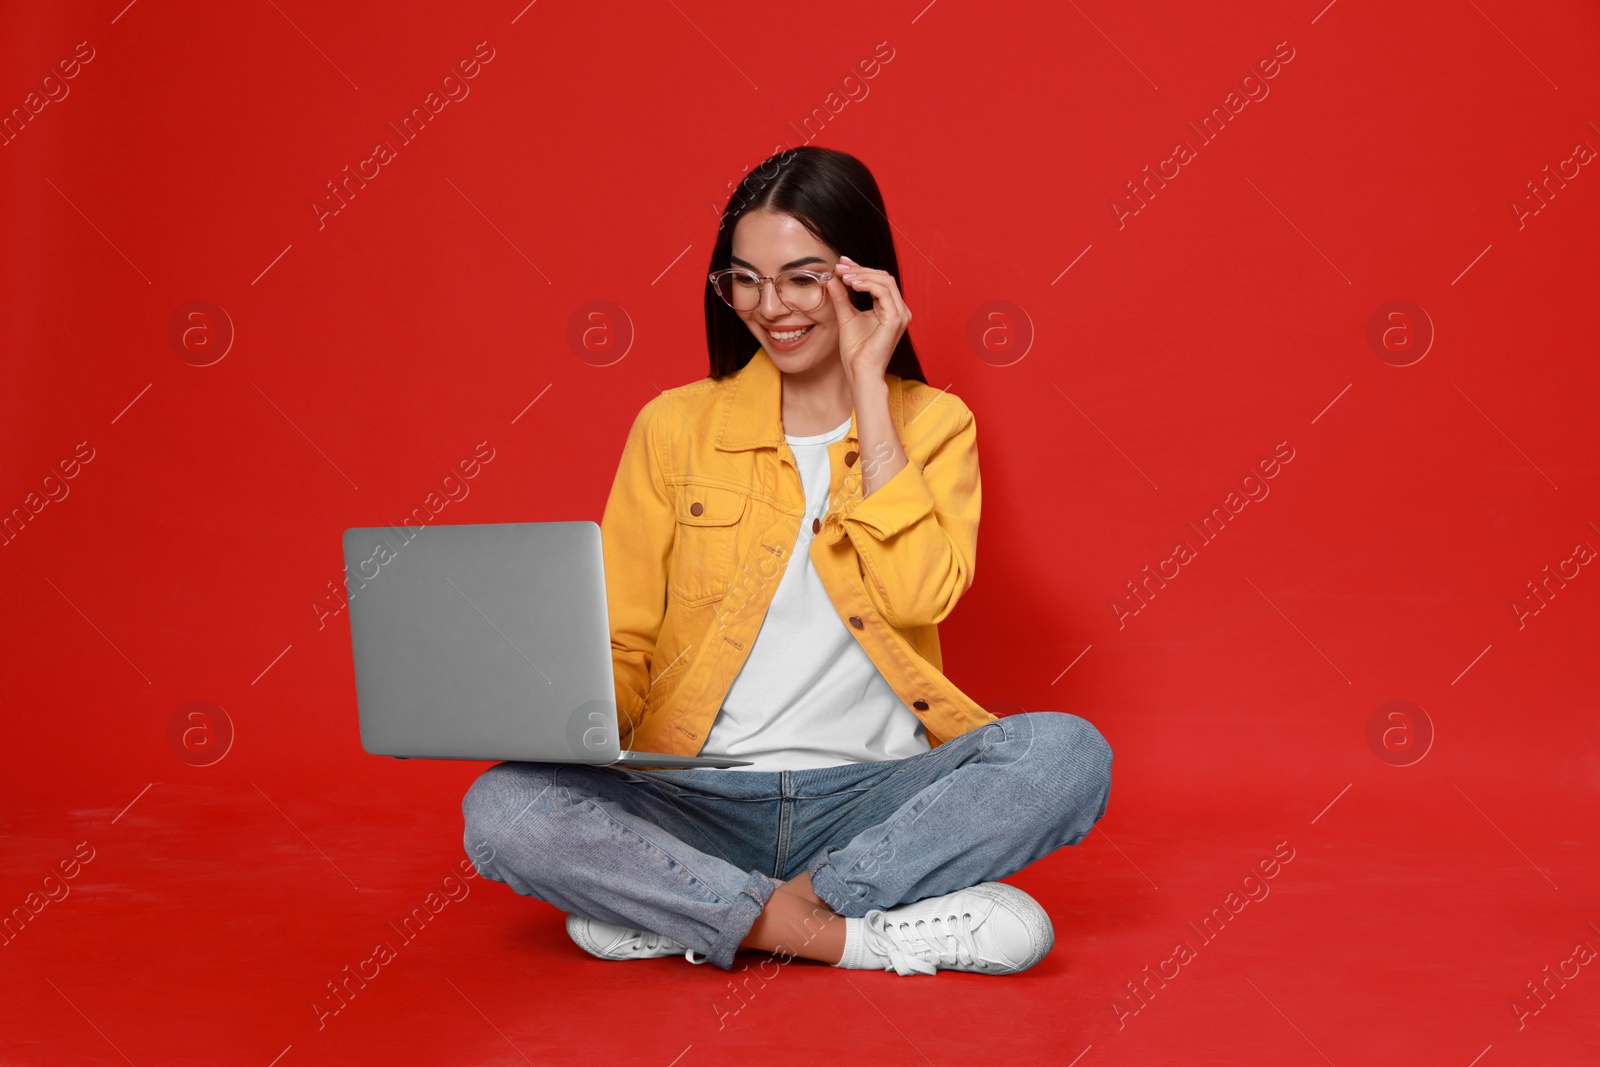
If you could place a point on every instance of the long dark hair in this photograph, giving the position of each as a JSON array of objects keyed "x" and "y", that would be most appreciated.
[{"x": 833, "y": 195}]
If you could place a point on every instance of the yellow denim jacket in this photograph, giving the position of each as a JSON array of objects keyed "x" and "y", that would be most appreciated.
[{"x": 705, "y": 508}]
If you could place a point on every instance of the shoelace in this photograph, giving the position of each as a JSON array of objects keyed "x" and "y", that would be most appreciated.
[
  {"x": 949, "y": 939},
  {"x": 642, "y": 940},
  {"x": 649, "y": 941}
]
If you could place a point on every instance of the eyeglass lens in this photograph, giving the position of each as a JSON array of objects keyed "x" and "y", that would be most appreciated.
[{"x": 799, "y": 290}]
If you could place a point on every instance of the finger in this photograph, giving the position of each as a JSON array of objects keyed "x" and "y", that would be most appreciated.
[
  {"x": 894, "y": 298},
  {"x": 869, "y": 274},
  {"x": 885, "y": 295},
  {"x": 899, "y": 299},
  {"x": 839, "y": 293},
  {"x": 902, "y": 312},
  {"x": 858, "y": 284}
]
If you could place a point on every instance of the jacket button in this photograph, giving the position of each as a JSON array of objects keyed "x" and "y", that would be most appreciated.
[
  {"x": 696, "y": 508},
  {"x": 920, "y": 705},
  {"x": 816, "y": 525},
  {"x": 855, "y": 620},
  {"x": 849, "y": 459}
]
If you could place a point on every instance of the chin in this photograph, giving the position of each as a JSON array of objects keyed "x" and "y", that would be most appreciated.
[{"x": 795, "y": 362}]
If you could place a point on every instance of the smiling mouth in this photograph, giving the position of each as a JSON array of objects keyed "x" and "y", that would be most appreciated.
[{"x": 790, "y": 335}]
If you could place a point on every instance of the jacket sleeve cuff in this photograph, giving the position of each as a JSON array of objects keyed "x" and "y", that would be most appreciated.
[{"x": 901, "y": 501}]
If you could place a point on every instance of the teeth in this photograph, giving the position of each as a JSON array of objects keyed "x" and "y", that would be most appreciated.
[{"x": 789, "y": 335}]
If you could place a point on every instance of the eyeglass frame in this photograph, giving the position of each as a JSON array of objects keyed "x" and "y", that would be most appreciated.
[{"x": 822, "y": 278}]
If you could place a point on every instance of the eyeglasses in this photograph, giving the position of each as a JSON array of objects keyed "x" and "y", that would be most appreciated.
[{"x": 799, "y": 290}]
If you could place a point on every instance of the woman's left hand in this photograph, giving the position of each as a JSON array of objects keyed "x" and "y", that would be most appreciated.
[{"x": 867, "y": 338}]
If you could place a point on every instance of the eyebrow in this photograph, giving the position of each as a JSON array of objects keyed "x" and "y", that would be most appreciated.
[{"x": 787, "y": 266}]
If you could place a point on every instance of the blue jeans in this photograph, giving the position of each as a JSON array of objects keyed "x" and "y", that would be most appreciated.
[{"x": 695, "y": 854}]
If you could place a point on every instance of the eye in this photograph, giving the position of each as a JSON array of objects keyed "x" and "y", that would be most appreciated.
[{"x": 745, "y": 278}]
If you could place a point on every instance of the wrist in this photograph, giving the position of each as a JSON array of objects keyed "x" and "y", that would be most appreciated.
[{"x": 874, "y": 390}]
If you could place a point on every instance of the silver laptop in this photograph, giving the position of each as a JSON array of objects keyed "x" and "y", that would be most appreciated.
[{"x": 487, "y": 642}]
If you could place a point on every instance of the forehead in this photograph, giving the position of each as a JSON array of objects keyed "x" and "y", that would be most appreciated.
[{"x": 772, "y": 236}]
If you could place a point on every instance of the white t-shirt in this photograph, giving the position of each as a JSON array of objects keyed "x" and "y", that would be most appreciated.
[{"x": 808, "y": 695}]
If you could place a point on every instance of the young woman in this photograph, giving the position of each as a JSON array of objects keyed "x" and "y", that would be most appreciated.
[{"x": 781, "y": 541}]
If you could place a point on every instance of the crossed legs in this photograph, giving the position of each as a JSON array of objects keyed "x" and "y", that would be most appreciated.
[{"x": 617, "y": 847}]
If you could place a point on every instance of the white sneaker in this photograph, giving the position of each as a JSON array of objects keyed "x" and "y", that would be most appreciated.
[
  {"x": 611, "y": 942},
  {"x": 993, "y": 928}
]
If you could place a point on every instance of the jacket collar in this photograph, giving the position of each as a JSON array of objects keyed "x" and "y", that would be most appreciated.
[{"x": 751, "y": 403}]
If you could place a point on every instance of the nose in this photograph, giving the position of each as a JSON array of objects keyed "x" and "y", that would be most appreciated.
[{"x": 771, "y": 306}]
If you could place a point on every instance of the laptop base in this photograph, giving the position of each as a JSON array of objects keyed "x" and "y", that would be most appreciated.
[
  {"x": 647, "y": 759},
  {"x": 661, "y": 759}
]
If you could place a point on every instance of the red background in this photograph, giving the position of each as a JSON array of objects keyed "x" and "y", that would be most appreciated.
[{"x": 588, "y": 162}]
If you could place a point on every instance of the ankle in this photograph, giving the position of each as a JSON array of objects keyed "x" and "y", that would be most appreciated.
[
  {"x": 857, "y": 954},
  {"x": 797, "y": 926}
]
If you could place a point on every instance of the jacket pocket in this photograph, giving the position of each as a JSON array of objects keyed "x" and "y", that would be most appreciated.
[{"x": 702, "y": 554}]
